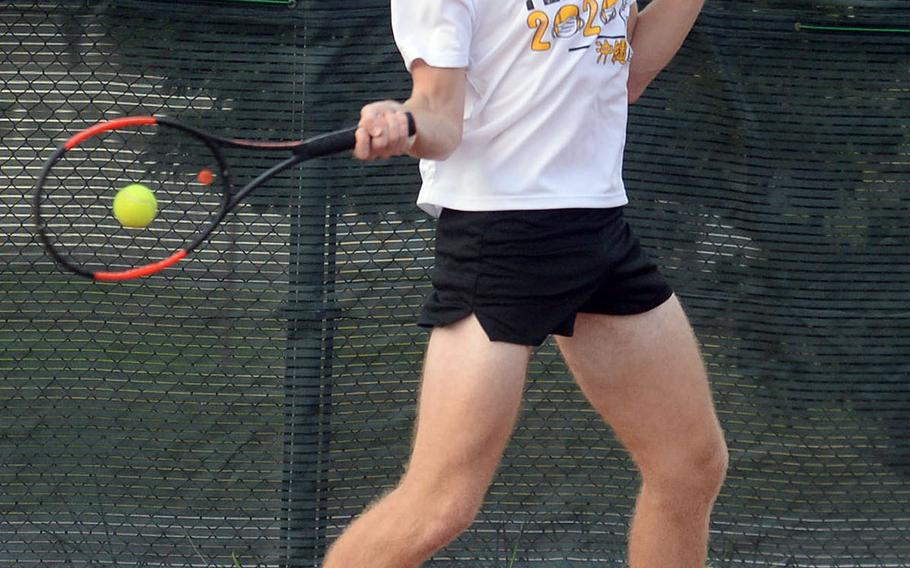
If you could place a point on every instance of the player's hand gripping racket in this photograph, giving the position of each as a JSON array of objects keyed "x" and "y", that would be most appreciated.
[{"x": 130, "y": 197}]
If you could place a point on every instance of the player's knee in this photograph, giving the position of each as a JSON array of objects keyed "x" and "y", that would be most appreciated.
[
  {"x": 455, "y": 514},
  {"x": 694, "y": 474},
  {"x": 446, "y": 510},
  {"x": 711, "y": 465},
  {"x": 445, "y": 519}
]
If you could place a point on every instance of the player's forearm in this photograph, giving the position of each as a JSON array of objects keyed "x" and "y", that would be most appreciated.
[
  {"x": 659, "y": 32},
  {"x": 438, "y": 130}
]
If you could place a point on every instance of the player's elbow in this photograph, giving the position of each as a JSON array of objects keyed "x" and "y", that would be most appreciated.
[
  {"x": 637, "y": 85},
  {"x": 452, "y": 140},
  {"x": 441, "y": 142}
]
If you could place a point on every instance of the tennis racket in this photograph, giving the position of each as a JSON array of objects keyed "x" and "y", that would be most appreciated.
[{"x": 181, "y": 169}]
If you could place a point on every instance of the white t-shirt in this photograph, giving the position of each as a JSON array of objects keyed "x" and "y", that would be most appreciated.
[{"x": 546, "y": 104}]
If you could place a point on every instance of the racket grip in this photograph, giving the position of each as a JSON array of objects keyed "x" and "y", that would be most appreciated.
[
  {"x": 328, "y": 144},
  {"x": 339, "y": 141}
]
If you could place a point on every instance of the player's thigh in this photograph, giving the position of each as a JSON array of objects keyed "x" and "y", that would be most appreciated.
[
  {"x": 644, "y": 374},
  {"x": 469, "y": 402}
]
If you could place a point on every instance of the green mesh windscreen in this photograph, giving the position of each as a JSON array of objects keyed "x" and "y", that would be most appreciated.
[{"x": 249, "y": 403}]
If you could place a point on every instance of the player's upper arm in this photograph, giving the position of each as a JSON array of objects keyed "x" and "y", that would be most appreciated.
[
  {"x": 633, "y": 20},
  {"x": 635, "y": 89}
]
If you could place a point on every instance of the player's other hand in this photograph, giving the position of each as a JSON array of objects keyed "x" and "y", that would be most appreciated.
[{"x": 383, "y": 131}]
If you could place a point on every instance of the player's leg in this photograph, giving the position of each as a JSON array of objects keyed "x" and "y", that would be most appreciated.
[
  {"x": 469, "y": 401},
  {"x": 645, "y": 376}
]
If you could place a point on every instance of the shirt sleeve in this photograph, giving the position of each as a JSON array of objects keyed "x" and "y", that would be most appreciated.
[{"x": 437, "y": 31}]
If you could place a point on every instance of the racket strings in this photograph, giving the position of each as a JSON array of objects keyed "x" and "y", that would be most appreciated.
[{"x": 78, "y": 197}]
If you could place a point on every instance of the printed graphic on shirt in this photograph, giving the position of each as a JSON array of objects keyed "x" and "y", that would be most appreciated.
[
  {"x": 615, "y": 51},
  {"x": 581, "y": 25}
]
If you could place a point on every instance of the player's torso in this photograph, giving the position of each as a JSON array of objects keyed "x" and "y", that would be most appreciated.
[{"x": 545, "y": 110}]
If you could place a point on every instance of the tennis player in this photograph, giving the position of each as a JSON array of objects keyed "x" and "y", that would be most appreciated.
[{"x": 521, "y": 110}]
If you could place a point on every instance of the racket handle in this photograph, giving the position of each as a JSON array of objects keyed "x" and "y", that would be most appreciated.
[
  {"x": 339, "y": 141},
  {"x": 328, "y": 144}
]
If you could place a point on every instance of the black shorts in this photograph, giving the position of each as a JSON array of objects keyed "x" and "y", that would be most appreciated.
[{"x": 525, "y": 274}]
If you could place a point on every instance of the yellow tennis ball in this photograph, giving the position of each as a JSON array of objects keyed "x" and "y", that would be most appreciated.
[{"x": 135, "y": 206}]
